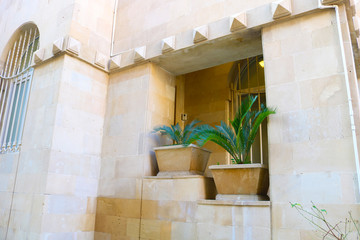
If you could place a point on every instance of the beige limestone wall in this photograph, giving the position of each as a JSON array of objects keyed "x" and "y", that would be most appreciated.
[
  {"x": 59, "y": 163},
  {"x": 8, "y": 165},
  {"x": 91, "y": 24},
  {"x": 30, "y": 176},
  {"x": 206, "y": 95},
  {"x": 75, "y": 160},
  {"x": 311, "y": 154},
  {"x": 139, "y": 22},
  {"x": 138, "y": 99}
]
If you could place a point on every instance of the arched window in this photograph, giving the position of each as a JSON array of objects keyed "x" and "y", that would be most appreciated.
[
  {"x": 247, "y": 78},
  {"x": 15, "y": 82}
]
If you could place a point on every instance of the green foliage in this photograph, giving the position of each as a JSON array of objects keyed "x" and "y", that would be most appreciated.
[
  {"x": 317, "y": 217},
  {"x": 178, "y": 135},
  {"x": 237, "y": 138}
]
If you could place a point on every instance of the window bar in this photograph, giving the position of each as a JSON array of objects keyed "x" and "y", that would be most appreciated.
[
  {"x": 2, "y": 113},
  {"x": 7, "y": 63},
  {"x": 8, "y": 112},
  {"x": 259, "y": 106},
  {"x": 17, "y": 55},
  {"x": 22, "y": 119},
  {"x": 16, "y": 51},
  {"x": 18, "y": 95},
  {"x": 32, "y": 48},
  {"x": 26, "y": 91},
  {"x": 11, "y": 60},
  {"x": 13, "y": 70},
  {"x": 248, "y": 80},
  {"x": 22, "y": 52},
  {"x": 2, "y": 83},
  {"x": 17, "y": 85},
  {"x": 24, "y": 80},
  {"x": 23, "y": 65}
]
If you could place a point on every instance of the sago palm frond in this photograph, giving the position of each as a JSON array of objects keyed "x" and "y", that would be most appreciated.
[
  {"x": 238, "y": 137},
  {"x": 205, "y": 133},
  {"x": 177, "y": 135}
]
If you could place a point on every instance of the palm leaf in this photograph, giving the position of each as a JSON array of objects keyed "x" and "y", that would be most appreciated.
[
  {"x": 188, "y": 132},
  {"x": 177, "y": 135},
  {"x": 238, "y": 137}
]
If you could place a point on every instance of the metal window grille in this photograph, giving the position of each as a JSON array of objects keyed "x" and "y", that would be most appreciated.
[
  {"x": 250, "y": 80},
  {"x": 15, "y": 82}
]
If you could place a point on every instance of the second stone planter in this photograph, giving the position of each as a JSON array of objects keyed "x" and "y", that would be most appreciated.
[{"x": 178, "y": 160}]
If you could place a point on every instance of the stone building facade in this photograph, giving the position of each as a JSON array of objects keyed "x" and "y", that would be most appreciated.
[{"x": 79, "y": 163}]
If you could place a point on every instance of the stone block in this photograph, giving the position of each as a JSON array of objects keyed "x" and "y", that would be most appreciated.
[
  {"x": 127, "y": 208},
  {"x": 181, "y": 230}
]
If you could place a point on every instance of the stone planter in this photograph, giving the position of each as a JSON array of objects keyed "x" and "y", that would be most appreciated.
[
  {"x": 179, "y": 160},
  {"x": 241, "y": 181}
]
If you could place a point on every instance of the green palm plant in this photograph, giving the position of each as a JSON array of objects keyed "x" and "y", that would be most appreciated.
[
  {"x": 238, "y": 137},
  {"x": 178, "y": 135}
]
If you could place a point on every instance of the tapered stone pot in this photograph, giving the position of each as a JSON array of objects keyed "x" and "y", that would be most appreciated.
[
  {"x": 180, "y": 160},
  {"x": 241, "y": 181}
]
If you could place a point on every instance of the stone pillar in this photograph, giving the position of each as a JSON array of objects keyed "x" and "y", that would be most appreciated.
[
  {"x": 138, "y": 99},
  {"x": 311, "y": 153},
  {"x": 59, "y": 163}
]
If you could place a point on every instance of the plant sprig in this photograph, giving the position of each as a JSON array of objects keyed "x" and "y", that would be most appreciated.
[{"x": 178, "y": 135}]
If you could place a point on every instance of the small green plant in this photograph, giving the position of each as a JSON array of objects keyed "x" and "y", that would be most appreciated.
[
  {"x": 178, "y": 135},
  {"x": 317, "y": 217},
  {"x": 238, "y": 137}
]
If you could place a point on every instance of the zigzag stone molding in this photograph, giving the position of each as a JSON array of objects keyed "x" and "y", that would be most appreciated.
[
  {"x": 168, "y": 44},
  {"x": 238, "y": 22},
  {"x": 200, "y": 34},
  {"x": 281, "y": 9}
]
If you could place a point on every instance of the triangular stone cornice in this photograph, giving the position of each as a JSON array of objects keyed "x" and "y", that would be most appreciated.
[
  {"x": 58, "y": 46},
  {"x": 200, "y": 34},
  {"x": 73, "y": 45},
  {"x": 140, "y": 53},
  {"x": 114, "y": 62},
  {"x": 100, "y": 59},
  {"x": 238, "y": 22},
  {"x": 39, "y": 55},
  {"x": 168, "y": 44},
  {"x": 281, "y": 9}
]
